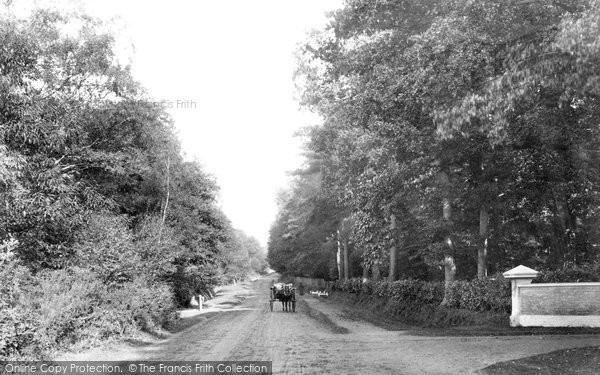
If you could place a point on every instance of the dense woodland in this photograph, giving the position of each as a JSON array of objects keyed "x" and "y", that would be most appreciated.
[
  {"x": 105, "y": 227},
  {"x": 460, "y": 139}
]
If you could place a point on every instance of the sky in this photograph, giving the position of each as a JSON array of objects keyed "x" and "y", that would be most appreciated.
[{"x": 225, "y": 68}]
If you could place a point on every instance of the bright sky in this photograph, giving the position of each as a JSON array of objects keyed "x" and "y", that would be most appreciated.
[{"x": 234, "y": 60}]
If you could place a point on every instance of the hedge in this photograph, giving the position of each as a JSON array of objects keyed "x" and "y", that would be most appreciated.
[
  {"x": 477, "y": 295},
  {"x": 480, "y": 295},
  {"x": 492, "y": 294},
  {"x": 424, "y": 292},
  {"x": 571, "y": 274}
]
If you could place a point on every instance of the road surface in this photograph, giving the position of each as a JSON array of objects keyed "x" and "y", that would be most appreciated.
[{"x": 318, "y": 339}]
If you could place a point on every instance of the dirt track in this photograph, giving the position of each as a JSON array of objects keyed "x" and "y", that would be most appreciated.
[{"x": 318, "y": 339}]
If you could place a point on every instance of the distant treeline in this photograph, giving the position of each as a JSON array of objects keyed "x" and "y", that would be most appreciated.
[
  {"x": 104, "y": 226},
  {"x": 460, "y": 139}
]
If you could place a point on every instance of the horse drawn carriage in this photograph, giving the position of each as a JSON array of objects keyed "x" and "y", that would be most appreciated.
[{"x": 286, "y": 293}]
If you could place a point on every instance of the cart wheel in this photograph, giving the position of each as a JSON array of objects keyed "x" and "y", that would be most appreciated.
[
  {"x": 293, "y": 306},
  {"x": 271, "y": 303}
]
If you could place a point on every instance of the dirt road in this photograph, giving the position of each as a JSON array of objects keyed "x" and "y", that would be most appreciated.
[{"x": 318, "y": 339}]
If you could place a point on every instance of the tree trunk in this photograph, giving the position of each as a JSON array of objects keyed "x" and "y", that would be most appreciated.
[
  {"x": 365, "y": 274},
  {"x": 338, "y": 256},
  {"x": 346, "y": 265},
  {"x": 449, "y": 264},
  {"x": 403, "y": 263},
  {"x": 164, "y": 213},
  {"x": 449, "y": 269},
  {"x": 375, "y": 269},
  {"x": 393, "y": 250},
  {"x": 484, "y": 218},
  {"x": 564, "y": 224}
]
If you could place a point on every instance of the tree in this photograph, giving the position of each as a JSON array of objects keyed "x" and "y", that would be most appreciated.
[
  {"x": 82, "y": 148},
  {"x": 302, "y": 240},
  {"x": 470, "y": 123}
]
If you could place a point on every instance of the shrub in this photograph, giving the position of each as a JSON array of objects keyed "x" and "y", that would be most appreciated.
[
  {"x": 18, "y": 327},
  {"x": 408, "y": 290},
  {"x": 417, "y": 291},
  {"x": 193, "y": 280},
  {"x": 61, "y": 308},
  {"x": 105, "y": 247},
  {"x": 480, "y": 295},
  {"x": 147, "y": 305},
  {"x": 476, "y": 295},
  {"x": 69, "y": 304},
  {"x": 17, "y": 323},
  {"x": 571, "y": 274},
  {"x": 422, "y": 314},
  {"x": 381, "y": 289}
]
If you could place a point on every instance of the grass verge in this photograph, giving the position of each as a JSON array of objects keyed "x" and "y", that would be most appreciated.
[{"x": 323, "y": 319}]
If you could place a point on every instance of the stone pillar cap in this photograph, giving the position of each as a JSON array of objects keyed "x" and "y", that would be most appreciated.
[{"x": 521, "y": 272}]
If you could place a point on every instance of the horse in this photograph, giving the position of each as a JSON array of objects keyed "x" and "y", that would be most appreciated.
[{"x": 284, "y": 293}]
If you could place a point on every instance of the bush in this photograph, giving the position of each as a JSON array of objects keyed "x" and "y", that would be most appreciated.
[
  {"x": 148, "y": 306},
  {"x": 493, "y": 294},
  {"x": 476, "y": 295},
  {"x": 69, "y": 304},
  {"x": 416, "y": 291},
  {"x": 422, "y": 292},
  {"x": 105, "y": 247},
  {"x": 571, "y": 274},
  {"x": 480, "y": 295},
  {"x": 62, "y": 308},
  {"x": 421, "y": 314},
  {"x": 17, "y": 330},
  {"x": 18, "y": 323},
  {"x": 193, "y": 280}
]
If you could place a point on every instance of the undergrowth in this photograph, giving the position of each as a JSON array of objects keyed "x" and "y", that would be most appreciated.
[{"x": 62, "y": 309}]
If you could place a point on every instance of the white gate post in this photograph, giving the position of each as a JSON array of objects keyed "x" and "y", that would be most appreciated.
[{"x": 520, "y": 275}]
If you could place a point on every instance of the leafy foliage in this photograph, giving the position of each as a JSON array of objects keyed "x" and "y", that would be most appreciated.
[
  {"x": 589, "y": 272},
  {"x": 409, "y": 291},
  {"x": 473, "y": 124},
  {"x": 105, "y": 226},
  {"x": 302, "y": 239},
  {"x": 476, "y": 295},
  {"x": 480, "y": 295}
]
